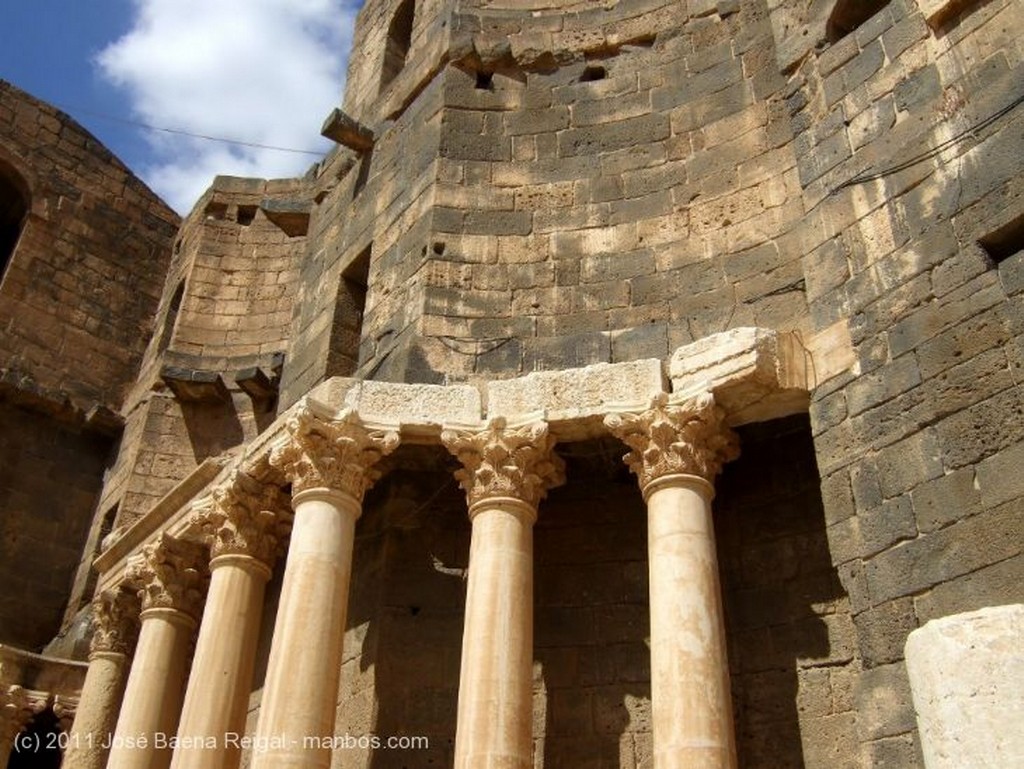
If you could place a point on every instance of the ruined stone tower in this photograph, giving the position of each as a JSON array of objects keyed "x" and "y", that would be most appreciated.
[{"x": 768, "y": 250}]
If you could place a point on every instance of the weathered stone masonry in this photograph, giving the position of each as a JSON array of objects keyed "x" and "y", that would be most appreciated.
[{"x": 367, "y": 454}]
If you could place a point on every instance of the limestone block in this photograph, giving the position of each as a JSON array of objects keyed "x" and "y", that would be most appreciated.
[
  {"x": 581, "y": 395},
  {"x": 756, "y": 374},
  {"x": 415, "y": 406},
  {"x": 966, "y": 676}
]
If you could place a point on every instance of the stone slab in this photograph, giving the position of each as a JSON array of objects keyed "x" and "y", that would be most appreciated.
[
  {"x": 573, "y": 399},
  {"x": 755, "y": 374},
  {"x": 416, "y": 408}
]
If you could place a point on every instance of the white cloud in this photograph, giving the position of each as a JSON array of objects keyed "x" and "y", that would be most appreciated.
[{"x": 259, "y": 71}]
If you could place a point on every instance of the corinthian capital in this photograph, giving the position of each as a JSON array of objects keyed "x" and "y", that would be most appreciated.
[
  {"x": 338, "y": 454},
  {"x": 502, "y": 461},
  {"x": 244, "y": 517},
  {"x": 169, "y": 574},
  {"x": 115, "y": 621},
  {"x": 687, "y": 438},
  {"x": 18, "y": 706}
]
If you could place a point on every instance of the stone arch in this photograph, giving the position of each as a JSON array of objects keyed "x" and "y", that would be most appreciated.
[
  {"x": 15, "y": 203},
  {"x": 399, "y": 39}
]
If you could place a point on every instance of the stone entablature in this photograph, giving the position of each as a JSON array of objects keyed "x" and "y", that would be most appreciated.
[{"x": 752, "y": 374}]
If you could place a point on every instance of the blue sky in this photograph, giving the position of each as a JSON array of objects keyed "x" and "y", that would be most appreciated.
[{"x": 263, "y": 71}]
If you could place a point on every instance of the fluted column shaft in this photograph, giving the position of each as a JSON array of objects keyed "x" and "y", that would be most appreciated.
[
  {"x": 169, "y": 582},
  {"x": 243, "y": 521},
  {"x": 115, "y": 618},
  {"x": 506, "y": 472},
  {"x": 676, "y": 451},
  {"x": 330, "y": 463}
]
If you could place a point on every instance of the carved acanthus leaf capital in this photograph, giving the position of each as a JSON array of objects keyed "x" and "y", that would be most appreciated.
[
  {"x": 244, "y": 517},
  {"x": 18, "y": 706},
  {"x": 115, "y": 621},
  {"x": 169, "y": 574},
  {"x": 503, "y": 461},
  {"x": 339, "y": 454},
  {"x": 688, "y": 438}
]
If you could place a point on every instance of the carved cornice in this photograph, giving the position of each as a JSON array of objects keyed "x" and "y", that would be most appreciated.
[
  {"x": 687, "y": 438},
  {"x": 115, "y": 621},
  {"x": 169, "y": 574},
  {"x": 509, "y": 462},
  {"x": 339, "y": 454},
  {"x": 244, "y": 517}
]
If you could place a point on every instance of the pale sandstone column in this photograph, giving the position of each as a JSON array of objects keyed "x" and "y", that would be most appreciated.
[
  {"x": 506, "y": 472},
  {"x": 967, "y": 679},
  {"x": 331, "y": 464},
  {"x": 170, "y": 585},
  {"x": 115, "y": 617},
  {"x": 677, "y": 450},
  {"x": 244, "y": 522}
]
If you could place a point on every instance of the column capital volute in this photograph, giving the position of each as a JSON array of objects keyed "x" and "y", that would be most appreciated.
[
  {"x": 243, "y": 516},
  {"x": 334, "y": 453},
  {"x": 115, "y": 622},
  {"x": 515, "y": 463},
  {"x": 65, "y": 706},
  {"x": 683, "y": 438},
  {"x": 169, "y": 574}
]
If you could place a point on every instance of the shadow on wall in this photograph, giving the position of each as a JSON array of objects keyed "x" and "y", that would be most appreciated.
[
  {"x": 782, "y": 598},
  {"x": 592, "y": 701},
  {"x": 212, "y": 428}
]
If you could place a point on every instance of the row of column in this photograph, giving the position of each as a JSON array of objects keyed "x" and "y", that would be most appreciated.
[{"x": 676, "y": 451}]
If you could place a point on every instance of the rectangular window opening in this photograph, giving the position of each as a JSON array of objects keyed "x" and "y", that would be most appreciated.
[{"x": 1004, "y": 242}]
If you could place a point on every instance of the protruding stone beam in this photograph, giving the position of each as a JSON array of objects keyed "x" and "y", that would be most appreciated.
[
  {"x": 676, "y": 452},
  {"x": 169, "y": 575},
  {"x": 347, "y": 131},
  {"x": 18, "y": 706},
  {"x": 245, "y": 523},
  {"x": 505, "y": 473},
  {"x": 115, "y": 620},
  {"x": 331, "y": 462}
]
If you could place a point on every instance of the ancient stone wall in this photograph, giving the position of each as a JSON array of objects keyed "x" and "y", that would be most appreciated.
[
  {"x": 85, "y": 276},
  {"x": 83, "y": 262},
  {"x": 913, "y": 447}
]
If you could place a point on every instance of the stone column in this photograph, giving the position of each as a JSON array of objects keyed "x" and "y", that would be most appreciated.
[
  {"x": 170, "y": 586},
  {"x": 115, "y": 617},
  {"x": 244, "y": 522},
  {"x": 967, "y": 679},
  {"x": 506, "y": 472},
  {"x": 18, "y": 706},
  {"x": 677, "y": 450},
  {"x": 330, "y": 464}
]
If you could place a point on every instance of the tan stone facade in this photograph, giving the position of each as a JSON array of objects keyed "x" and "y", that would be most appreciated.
[{"x": 622, "y": 391}]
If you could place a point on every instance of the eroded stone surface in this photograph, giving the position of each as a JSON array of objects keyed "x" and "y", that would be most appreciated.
[{"x": 967, "y": 675}]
